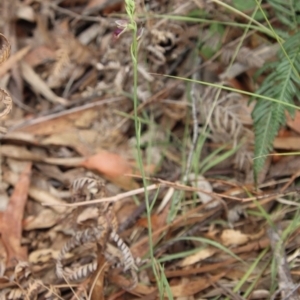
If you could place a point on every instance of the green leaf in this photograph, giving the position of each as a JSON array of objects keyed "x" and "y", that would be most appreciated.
[
  {"x": 208, "y": 50},
  {"x": 198, "y": 13},
  {"x": 286, "y": 11},
  {"x": 243, "y": 5},
  {"x": 282, "y": 84},
  {"x": 249, "y": 5}
]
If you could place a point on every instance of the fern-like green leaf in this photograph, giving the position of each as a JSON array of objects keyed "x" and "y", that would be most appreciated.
[
  {"x": 282, "y": 84},
  {"x": 287, "y": 11}
]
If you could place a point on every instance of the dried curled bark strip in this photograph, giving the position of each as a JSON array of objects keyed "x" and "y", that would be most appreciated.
[
  {"x": 7, "y": 101},
  {"x": 4, "y": 96},
  {"x": 4, "y": 48}
]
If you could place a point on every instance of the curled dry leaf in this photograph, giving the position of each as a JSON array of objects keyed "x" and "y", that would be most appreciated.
[
  {"x": 194, "y": 286},
  {"x": 45, "y": 219},
  {"x": 98, "y": 279},
  {"x": 42, "y": 255},
  {"x": 198, "y": 256},
  {"x": 113, "y": 167},
  {"x": 295, "y": 122},
  {"x": 231, "y": 237},
  {"x": 39, "y": 84},
  {"x": 12, "y": 235},
  {"x": 39, "y": 55},
  {"x": 122, "y": 281},
  {"x": 12, "y": 60}
]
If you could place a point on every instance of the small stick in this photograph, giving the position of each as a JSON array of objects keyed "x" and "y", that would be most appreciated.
[{"x": 108, "y": 199}]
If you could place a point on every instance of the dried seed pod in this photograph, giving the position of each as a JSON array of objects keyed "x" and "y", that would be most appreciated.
[
  {"x": 83, "y": 272},
  {"x": 85, "y": 188},
  {"x": 127, "y": 260},
  {"x": 4, "y": 48},
  {"x": 80, "y": 238},
  {"x": 97, "y": 224}
]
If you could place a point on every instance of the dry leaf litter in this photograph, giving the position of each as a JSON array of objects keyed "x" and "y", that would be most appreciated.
[{"x": 70, "y": 141}]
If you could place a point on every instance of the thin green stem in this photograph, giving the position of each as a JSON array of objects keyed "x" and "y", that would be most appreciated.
[{"x": 130, "y": 9}]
